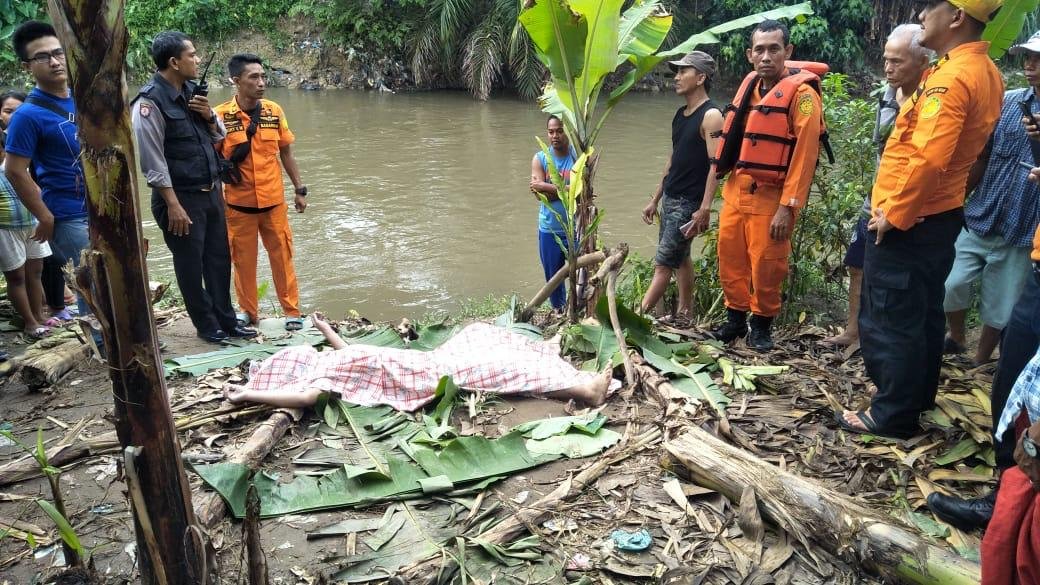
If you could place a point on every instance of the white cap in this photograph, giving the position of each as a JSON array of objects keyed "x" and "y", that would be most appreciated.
[{"x": 1032, "y": 45}]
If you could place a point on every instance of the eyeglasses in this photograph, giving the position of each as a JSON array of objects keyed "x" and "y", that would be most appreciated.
[{"x": 44, "y": 58}]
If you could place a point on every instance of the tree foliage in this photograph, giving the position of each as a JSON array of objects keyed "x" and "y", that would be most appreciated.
[{"x": 477, "y": 44}]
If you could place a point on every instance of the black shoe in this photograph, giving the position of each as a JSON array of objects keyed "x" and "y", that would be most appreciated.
[
  {"x": 760, "y": 338},
  {"x": 215, "y": 336},
  {"x": 734, "y": 327},
  {"x": 242, "y": 332},
  {"x": 966, "y": 515}
]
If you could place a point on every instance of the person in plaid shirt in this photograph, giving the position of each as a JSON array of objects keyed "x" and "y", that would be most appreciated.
[{"x": 480, "y": 357}]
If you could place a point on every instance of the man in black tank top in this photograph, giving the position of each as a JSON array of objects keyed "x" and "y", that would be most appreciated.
[{"x": 688, "y": 185}]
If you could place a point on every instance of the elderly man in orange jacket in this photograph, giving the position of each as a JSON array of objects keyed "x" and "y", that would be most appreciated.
[
  {"x": 918, "y": 210},
  {"x": 771, "y": 143}
]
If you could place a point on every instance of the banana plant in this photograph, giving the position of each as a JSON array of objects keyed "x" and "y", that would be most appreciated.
[
  {"x": 1004, "y": 29},
  {"x": 581, "y": 42}
]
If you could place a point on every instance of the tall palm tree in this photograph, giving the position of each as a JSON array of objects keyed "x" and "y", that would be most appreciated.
[{"x": 478, "y": 44}]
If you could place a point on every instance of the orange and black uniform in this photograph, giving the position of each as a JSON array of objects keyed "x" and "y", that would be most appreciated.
[
  {"x": 920, "y": 189},
  {"x": 752, "y": 265},
  {"x": 256, "y": 207}
]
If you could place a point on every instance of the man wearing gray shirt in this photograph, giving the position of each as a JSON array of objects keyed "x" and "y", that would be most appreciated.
[
  {"x": 176, "y": 130},
  {"x": 905, "y": 62}
]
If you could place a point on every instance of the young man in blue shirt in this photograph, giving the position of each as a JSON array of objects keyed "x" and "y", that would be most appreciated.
[{"x": 42, "y": 133}]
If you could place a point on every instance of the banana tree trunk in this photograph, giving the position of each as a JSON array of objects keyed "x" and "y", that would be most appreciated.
[
  {"x": 113, "y": 278},
  {"x": 812, "y": 512},
  {"x": 587, "y": 236}
]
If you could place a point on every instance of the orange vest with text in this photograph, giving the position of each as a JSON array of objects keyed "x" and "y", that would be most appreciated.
[{"x": 758, "y": 140}]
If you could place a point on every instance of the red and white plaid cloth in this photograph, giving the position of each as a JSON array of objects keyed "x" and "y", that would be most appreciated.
[{"x": 480, "y": 357}]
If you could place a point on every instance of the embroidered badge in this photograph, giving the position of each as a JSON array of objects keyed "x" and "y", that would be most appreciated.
[
  {"x": 931, "y": 107},
  {"x": 145, "y": 110},
  {"x": 805, "y": 104}
]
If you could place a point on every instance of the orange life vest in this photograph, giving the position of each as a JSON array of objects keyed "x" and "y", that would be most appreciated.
[{"x": 758, "y": 140}]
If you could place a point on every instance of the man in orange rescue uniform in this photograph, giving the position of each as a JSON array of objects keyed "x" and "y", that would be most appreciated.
[
  {"x": 257, "y": 136},
  {"x": 918, "y": 202},
  {"x": 771, "y": 143}
]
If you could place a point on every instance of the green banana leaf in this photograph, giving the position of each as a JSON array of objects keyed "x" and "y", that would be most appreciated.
[
  {"x": 588, "y": 424},
  {"x": 638, "y": 329},
  {"x": 433, "y": 336},
  {"x": 381, "y": 337},
  {"x": 600, "y": 47},
  {"x": 1002, "y": 31},
  {"x": 691, "y": 380},
  {"x": 574, "y": 445},
  {"x": 644, "y": 26},
  {"x": 198, "y": 364},
  {"x": 558, "y": 34}
]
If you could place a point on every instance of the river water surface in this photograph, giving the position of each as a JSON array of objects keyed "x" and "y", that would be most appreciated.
[{"x": 420, "y": 201}]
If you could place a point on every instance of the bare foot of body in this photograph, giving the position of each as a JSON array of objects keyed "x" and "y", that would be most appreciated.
[
  {"x": 593, "y": 392},
  {"x": 844, "y": 338}
]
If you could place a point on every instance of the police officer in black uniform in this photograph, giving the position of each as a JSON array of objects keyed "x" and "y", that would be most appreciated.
[{"x": 176, "y": 130}]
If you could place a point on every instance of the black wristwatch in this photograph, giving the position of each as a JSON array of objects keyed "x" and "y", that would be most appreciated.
[
  {"x": 1030, "y": 446},
  {"x": 302, "y": 191}
]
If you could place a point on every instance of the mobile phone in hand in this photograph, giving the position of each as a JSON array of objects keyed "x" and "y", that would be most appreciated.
[{"x": 686, "y": 228}]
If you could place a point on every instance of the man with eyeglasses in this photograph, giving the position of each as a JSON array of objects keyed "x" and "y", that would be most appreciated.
[{"x": 42, "y": 133}]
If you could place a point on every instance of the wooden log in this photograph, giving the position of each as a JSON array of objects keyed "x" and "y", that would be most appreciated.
[
  {"x": 429, "y": 570},
  {"x": 561, "y": 275},
  {"x": 46, "y": 368},
  {"x": 209, "y": 508},
  {"x": 811, "y": 512}
]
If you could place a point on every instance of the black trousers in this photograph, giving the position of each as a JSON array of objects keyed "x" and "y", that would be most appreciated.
[
  {"x": 201, "y": 259},
  {"x": 901, "y": 319},
  {"x": 53, "y": 281},
  {"x": 1018, "y": 344}
]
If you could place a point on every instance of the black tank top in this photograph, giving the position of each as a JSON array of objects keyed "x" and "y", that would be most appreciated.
[{"x": 690, "y": 165}]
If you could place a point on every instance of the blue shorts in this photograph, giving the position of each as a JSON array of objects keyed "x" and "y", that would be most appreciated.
[{"x": 854, "y": 257}]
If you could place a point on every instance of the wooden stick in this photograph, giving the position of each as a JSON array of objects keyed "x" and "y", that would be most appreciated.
[
  {"x": 427, "y": 571},
  {"x": 559, "y": 277},
  {"x": 809, "y": 511},
  {"x": 615, "y": 324},
  {"x": 209, "y": 508},
  {"x": 254, "y": 548}
]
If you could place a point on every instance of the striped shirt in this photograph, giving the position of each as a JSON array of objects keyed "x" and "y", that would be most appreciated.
[
  {"x": 1025, "y": 395},
  {"x": 13, "y": 215},
  {"x": 1006, "y": 203}
]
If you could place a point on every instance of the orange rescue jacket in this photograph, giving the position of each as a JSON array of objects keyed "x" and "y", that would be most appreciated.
[{"x": 758, "y": 140}]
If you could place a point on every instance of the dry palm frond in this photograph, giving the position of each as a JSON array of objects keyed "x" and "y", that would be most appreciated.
[
  {"x": 524, "y": 67},
  {"x": 482, "y": 61},
  {"x": 426, "y": 54}
]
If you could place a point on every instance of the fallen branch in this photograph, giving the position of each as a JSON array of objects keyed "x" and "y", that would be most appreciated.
[
  {"x": 557, "y": 279},
  {"x": 428, "y": 570},
  {"x": 810, "y": 511},
  {"x": 209, "y": 508},
  {"x": 72, "y": 448},
  {"x": 252, "y": 546},
  {"x": 615, "y": 323},
  {"x": 45, "y": 368}
]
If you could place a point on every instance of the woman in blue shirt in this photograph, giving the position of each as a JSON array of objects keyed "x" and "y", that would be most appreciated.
[{"x": 551, "y": 217}]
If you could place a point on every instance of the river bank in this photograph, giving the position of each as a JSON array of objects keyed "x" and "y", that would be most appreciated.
[{"x": 783, "y": 419}]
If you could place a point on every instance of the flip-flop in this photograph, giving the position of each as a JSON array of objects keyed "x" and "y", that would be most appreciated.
[
  {"x": 868, "y": 422},
  {"x": 293, "y": 323},
  {"x": 39, "y": 332},
  {"x": 871, "y": 426}
]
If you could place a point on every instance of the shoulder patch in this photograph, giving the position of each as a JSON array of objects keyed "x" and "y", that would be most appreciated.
[
  {"x": 145, "y": 110},
  {"x": 805, "y": 104},
  {"x": 931, "y": 107}
]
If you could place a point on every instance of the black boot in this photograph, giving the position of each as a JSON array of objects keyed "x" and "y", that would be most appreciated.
[
  {"x": 966, "y": 515},
  {"x": 734, "y": 327},
  {"x": 760, "y": 339}
]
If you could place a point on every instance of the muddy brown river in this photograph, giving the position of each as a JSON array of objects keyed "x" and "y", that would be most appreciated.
[{"x": 420, "y": 201}]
